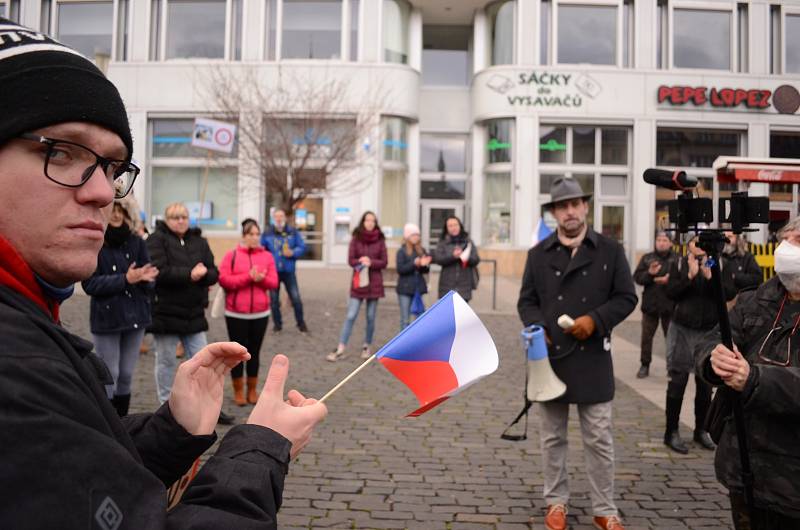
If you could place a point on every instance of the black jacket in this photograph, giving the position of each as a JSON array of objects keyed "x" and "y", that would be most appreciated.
[
  {"x": 410, "y": 277},
  {"x": 179, "y": 304},
  {"x": 695, "y": 306},
  {"x": 744, "y": 270},
  {"x": 771, "y": 401},
  {"x": 595, "y": 282},
  {"x": 654, "y": 298},
  {"x": 68, "y": 458},
  {"x": 454, "y": 276},
  {"x": 117, "y": 305}
]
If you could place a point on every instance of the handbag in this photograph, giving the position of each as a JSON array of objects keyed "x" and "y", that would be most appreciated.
[
  {"x": 218, "y": 304},
  {"x": 417, "y": 305}
]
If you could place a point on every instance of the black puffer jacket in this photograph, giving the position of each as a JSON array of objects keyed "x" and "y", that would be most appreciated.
[
  {"x": 695, "y": 306},
  {"x": 744, "y": 270},
  {"x": 455, "y": 276},
  {"x": 771, "y": 400},
  {"x": 654, "y": 298},
  {"x": 179, "y": 304},
  {"x": 69, "y": 462}
]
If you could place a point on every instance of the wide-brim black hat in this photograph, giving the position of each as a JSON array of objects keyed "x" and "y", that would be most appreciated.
[{"x": 565, "y": 189}]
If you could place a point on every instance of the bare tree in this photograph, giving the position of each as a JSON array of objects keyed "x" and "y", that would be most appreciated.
[{"x": 298, "y": 134}]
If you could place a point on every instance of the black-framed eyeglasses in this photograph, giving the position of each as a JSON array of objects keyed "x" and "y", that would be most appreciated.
[
  {"x": 71, "y": 164},
  {"x": 779, "y": 332}
]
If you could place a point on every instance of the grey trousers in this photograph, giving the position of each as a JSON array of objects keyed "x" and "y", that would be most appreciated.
[{"x": 598, "y": 447}]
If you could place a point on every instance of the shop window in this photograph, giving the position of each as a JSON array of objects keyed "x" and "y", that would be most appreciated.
[
  {"x": 501, "y": 32},
  {"x": 695, "y": 147},
  {"x": 86, "y": 26},
  {"x": 552, "y": 144},
  {"x": 443, "y": 189},
  {"x": 583, "y": 142},
  {"x": 441, "y": 153},
  {"x": 614, "y": 144},
  {"x": 312, "y": 29},
  {"x": 499, "y": 143},
  {"x": 497, "y": 208},
  {"x": 395, "y": 139},
  {"x": 396, "y": 15},
  {"x": 172, "y": 138},
  {"x": 613, "y": 222},
  {"x": 393, "y": 203},
  {"x": 784, "y": 144},
  {"x": 614, "y": 185},
  {"x": 217, "y": 190}
]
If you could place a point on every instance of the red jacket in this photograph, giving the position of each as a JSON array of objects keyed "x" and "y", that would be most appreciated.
[
  {"x": 376, "y": 251},
  {"x": 242, "y": 294}
]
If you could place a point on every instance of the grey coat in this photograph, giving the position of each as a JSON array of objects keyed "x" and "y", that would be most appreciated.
[
  {"x": 455, "y": 277},
  {"x": 595, "y": 282}
]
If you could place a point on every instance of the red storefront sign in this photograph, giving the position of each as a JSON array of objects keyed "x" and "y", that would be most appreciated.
[
  {"x": 716, "y": 97},
  {"x": 732, "y": 169}
]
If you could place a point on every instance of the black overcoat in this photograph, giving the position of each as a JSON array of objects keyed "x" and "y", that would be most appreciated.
[
  {"x": 179, "y": 303},
  {"x": 595, "y": 282}
]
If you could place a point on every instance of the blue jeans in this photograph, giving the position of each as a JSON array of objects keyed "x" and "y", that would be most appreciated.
[
  {"x": 120, "y": 351},
  {"x": 167, "y": 363},
  {"x": 353, "y": 305},
  {"x": 290, "y": 281},
  {"x": 405, "y": 309}
]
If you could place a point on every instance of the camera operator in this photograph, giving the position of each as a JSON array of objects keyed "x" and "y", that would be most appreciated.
[
  {"x": 764, "y": 368},
  {"x": 695, "y": 314}
]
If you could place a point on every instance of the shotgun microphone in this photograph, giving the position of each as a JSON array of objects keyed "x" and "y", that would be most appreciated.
[{"x": 673, "y": 180}]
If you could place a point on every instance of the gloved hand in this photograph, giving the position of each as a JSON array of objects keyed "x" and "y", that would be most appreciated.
[{"x": 583, "y": 328}]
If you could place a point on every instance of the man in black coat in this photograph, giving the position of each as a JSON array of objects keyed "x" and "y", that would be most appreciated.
[
  {"x": 652, "y": 273},
  {"x": 69, "y": 462},
  {"x": 584, "y": 275},
  {"x": 764, "y": 369},
  {"x": 186, "y": 271}
]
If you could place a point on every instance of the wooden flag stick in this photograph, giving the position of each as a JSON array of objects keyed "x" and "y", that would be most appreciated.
[{"x": 346, "y": 379}]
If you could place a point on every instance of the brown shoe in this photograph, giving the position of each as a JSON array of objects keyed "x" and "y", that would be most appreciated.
[
  {"x": 556, "y": 518},
  {"x": 252, "y": 393},
  {"x": 238, "y": 391},
  {"x": 611, "y": 522}
]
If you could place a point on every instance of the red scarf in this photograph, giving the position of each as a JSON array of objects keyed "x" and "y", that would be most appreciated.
[{"x": 15, "y": 274}]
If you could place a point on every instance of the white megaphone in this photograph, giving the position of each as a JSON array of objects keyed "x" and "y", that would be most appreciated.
[{"x": 543, "y": 383}]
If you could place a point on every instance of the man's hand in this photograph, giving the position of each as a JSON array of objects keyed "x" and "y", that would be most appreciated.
[
  {"x": 149, "y": 273},
  {"x": 198, "y": 272},
  {"x": 654, "y": 268},
  {"x": 661, "y": 280},
  {"x": 583, "y": 328},
  {"x": 295, "y": 418},
  {"x": 287, "y": 252},
  {"x": 196, "y": 397},
  {"x": 730, "y": 366}
]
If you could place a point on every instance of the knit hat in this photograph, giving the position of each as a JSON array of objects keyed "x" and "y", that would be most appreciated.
[
  {"x": 46, "y": 83},
  {"x": 409, "y": 230}
]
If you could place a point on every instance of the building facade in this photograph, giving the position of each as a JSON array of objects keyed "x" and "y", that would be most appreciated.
[{"x": 476, "y": 106}]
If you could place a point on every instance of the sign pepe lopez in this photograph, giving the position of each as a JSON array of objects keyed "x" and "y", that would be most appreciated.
[
  {"x": 785, "y": 99},
  {"x": 543, "y": 89}
]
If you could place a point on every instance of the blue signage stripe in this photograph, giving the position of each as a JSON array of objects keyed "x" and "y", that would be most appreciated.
[{"x": 172, "y": 139}]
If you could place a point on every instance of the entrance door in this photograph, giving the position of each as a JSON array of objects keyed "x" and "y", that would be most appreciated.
[{"x": 433, "y": 216}]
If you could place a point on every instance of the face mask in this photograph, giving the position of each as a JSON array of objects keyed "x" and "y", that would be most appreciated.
[{"x": 787, "y": 265}]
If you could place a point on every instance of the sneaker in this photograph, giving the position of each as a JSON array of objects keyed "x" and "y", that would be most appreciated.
[
  {"x": 365, "y": 353},
  {"x": 302, "y": 327},
  {"x": 334, "y": 356},
  {"x": 556, "y": 517},
  {"x": 226, "y": 419},
  {"x": 611, "y": 522},
  {"x": 643, "y": 372}
]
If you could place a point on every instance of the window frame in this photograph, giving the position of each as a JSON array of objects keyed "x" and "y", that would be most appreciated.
[
  {"x": 53, "y": 20},
  {"x": 697, "y": 5},
  {"x": 381, "y": 45},
  {"x": 159, "y": 55},
  {"x": 499, "y": 168}
]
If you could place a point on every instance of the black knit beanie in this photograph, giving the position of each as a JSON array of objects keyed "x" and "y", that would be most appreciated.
[{"x": 43, "y": 83}]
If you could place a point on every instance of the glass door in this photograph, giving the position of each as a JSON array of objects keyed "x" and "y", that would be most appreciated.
[{"x": 434, "y": 214}]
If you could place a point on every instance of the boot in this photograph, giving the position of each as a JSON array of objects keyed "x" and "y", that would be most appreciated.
[
  {"x": 238, "y": 391},
  {"x": 672, "y": 436},
  {"x": 252, "y": 393},
  {"x": 121, "y": 404},
  {"x": 643, "y": 372},
  {"x": 704, "y": 439}
]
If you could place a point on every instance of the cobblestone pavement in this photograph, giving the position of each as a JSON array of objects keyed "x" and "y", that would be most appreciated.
[{"x": 369, "y": 467}]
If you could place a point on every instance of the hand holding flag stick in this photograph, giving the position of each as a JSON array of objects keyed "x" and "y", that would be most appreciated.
[{"x": 440, "y": 354}]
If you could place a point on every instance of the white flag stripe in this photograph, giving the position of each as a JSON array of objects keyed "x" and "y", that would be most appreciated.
[{"x": 473, "y": 354}]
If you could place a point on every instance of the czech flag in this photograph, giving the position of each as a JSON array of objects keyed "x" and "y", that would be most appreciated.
[
  {"x": 441, "y": 353},
  {"x": 541, "y": 233}
]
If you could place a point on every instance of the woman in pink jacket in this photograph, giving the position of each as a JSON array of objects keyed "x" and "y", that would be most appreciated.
[{"x": 247, "y": 273}]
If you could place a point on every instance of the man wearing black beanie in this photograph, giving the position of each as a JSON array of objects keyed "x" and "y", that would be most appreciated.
[{"x": 68, "y": 460}]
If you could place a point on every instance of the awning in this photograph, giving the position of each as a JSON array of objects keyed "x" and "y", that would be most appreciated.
[{"x": 732, "y": 169}]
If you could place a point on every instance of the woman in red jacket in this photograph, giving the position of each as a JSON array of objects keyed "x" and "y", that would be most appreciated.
[
  {"x": 247, "y": 273},
  {"x": 367, "y": 250}
]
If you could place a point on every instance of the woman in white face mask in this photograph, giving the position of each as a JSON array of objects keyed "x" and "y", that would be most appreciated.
[{"x": 765, "y": 369}]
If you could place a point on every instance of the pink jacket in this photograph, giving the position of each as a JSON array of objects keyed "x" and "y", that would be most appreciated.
[{"x": 242, "y": 294}]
